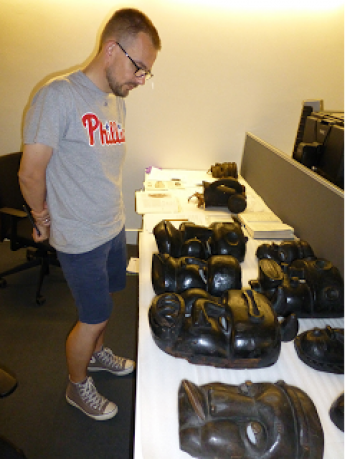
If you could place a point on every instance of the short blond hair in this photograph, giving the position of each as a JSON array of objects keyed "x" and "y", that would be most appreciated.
[{"x": 126, "y": 23}]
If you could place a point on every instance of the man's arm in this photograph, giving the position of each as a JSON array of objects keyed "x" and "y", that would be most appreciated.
[{"x": 32, "y": 179}]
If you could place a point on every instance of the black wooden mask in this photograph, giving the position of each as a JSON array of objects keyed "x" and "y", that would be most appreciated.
[
  {"x": 220, "y": 238},
  {"x": 239, "y": 330},
  {"x": 249, "y": 421}
]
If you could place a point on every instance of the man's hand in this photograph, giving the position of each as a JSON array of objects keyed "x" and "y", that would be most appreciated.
[
  {"x": 42, "y": 217},
  {"x": 42, "y": 220},
  {"x": 44, "y": 233},
  {"x": 32, "y": 179}
]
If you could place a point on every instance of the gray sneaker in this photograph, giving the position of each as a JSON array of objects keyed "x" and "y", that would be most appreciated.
[
  {"x": 105, "y": 360},
  {"x": 85, "y": 397}
]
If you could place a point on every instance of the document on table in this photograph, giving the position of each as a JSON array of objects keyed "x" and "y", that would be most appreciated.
[
  {"x": 250, "y": 217},
  {"x": 188, "y": 178},
  {"x": 266, "y": 225},
  {"x": 163, "y": 185},
  {"x": 155, "y": 202}
]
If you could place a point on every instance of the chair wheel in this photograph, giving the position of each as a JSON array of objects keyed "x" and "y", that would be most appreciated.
[
  {"x": 3, "y": 283},
  {"x": 40, "y": 300}
]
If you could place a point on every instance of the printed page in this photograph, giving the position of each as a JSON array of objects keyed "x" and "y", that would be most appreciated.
[
  {"x": 248, "y": 217},
  {"x": 155, "y": 202}
]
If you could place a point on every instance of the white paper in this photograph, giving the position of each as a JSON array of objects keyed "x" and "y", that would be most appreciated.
[
  {"x": 155, "y": 202},
  {"x": 259, "y": 217},
  {"x": 161, "y": 185},
  {"x": 133, "y": 265}
]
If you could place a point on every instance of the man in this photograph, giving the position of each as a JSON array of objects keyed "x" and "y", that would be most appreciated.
[{"x": 70, "y": 175}]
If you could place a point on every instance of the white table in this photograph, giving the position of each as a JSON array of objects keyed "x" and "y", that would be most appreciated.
[{"x": 159, "y": 374}]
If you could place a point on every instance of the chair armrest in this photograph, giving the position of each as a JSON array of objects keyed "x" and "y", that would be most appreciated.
[{"x": 13, "y": 212}]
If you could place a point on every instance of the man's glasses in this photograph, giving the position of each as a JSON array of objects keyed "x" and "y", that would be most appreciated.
[{"x": 139, "y": 72}]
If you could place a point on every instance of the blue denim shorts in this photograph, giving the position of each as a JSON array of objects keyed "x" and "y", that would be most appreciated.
[{"x": 92, "y": 276}]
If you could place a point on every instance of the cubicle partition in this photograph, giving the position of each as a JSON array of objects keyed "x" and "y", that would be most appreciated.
[{"x": 300, "y": 197}]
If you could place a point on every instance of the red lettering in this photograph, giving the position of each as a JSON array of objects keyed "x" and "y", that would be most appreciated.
[
  {"x": 91, "y": 123},
  {"x": 103, "y": 135},
  {"x": 122, "y": 136},
  {"x": 109, "y": 133},
  {"x": 114, "y": 132}
]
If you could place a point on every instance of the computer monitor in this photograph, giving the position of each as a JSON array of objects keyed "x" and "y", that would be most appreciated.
[
  {"x": 322, "y": 146},
  {"x": 331, "y": 164}
]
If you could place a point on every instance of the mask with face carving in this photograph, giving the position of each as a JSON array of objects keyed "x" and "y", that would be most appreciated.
[
  {"x": 238, "y": 330},
  {"x": 250, "y": 421}
]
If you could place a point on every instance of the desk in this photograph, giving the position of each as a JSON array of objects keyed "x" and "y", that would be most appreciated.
[{"x": 159, "y": 374}]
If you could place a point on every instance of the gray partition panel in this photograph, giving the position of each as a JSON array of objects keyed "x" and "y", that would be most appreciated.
[{"x": 301, "y": 198}]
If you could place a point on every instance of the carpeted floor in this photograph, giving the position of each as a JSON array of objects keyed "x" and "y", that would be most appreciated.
[{"x": 36, "y": 417}]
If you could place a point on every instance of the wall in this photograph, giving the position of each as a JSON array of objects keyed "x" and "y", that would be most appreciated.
[{"x": 226, "y": 67}]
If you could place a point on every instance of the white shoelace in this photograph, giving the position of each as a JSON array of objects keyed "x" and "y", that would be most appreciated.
[
  {"x": 91, "y": 396},
  {"x": 107, "y": 357}
]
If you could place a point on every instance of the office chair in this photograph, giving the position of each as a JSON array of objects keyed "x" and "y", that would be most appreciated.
[
  {"x": 15, "y": 226},
  {"x": 8, "y": 384}
]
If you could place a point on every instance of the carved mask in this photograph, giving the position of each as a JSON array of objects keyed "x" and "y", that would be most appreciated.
[
  {"x": 190, "y": 240},
  {"x": 240, "y": 330},
  {"x": 216, "y": 275},
  {"x": 250, "y": 421}
]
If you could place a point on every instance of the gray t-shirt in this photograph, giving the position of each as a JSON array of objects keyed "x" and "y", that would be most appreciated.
[{"x": 86, "y": 129}]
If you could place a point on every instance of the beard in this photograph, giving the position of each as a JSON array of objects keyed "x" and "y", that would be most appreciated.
[{"x": 120, "y": 90}]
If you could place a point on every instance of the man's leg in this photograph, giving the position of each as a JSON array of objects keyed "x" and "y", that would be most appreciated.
[
  {"x": 82, "y": 342},
  {"x": 91, "y": 276},
  {"x": 103, "y": 359},
  {"x": 81, "y": 391}
]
